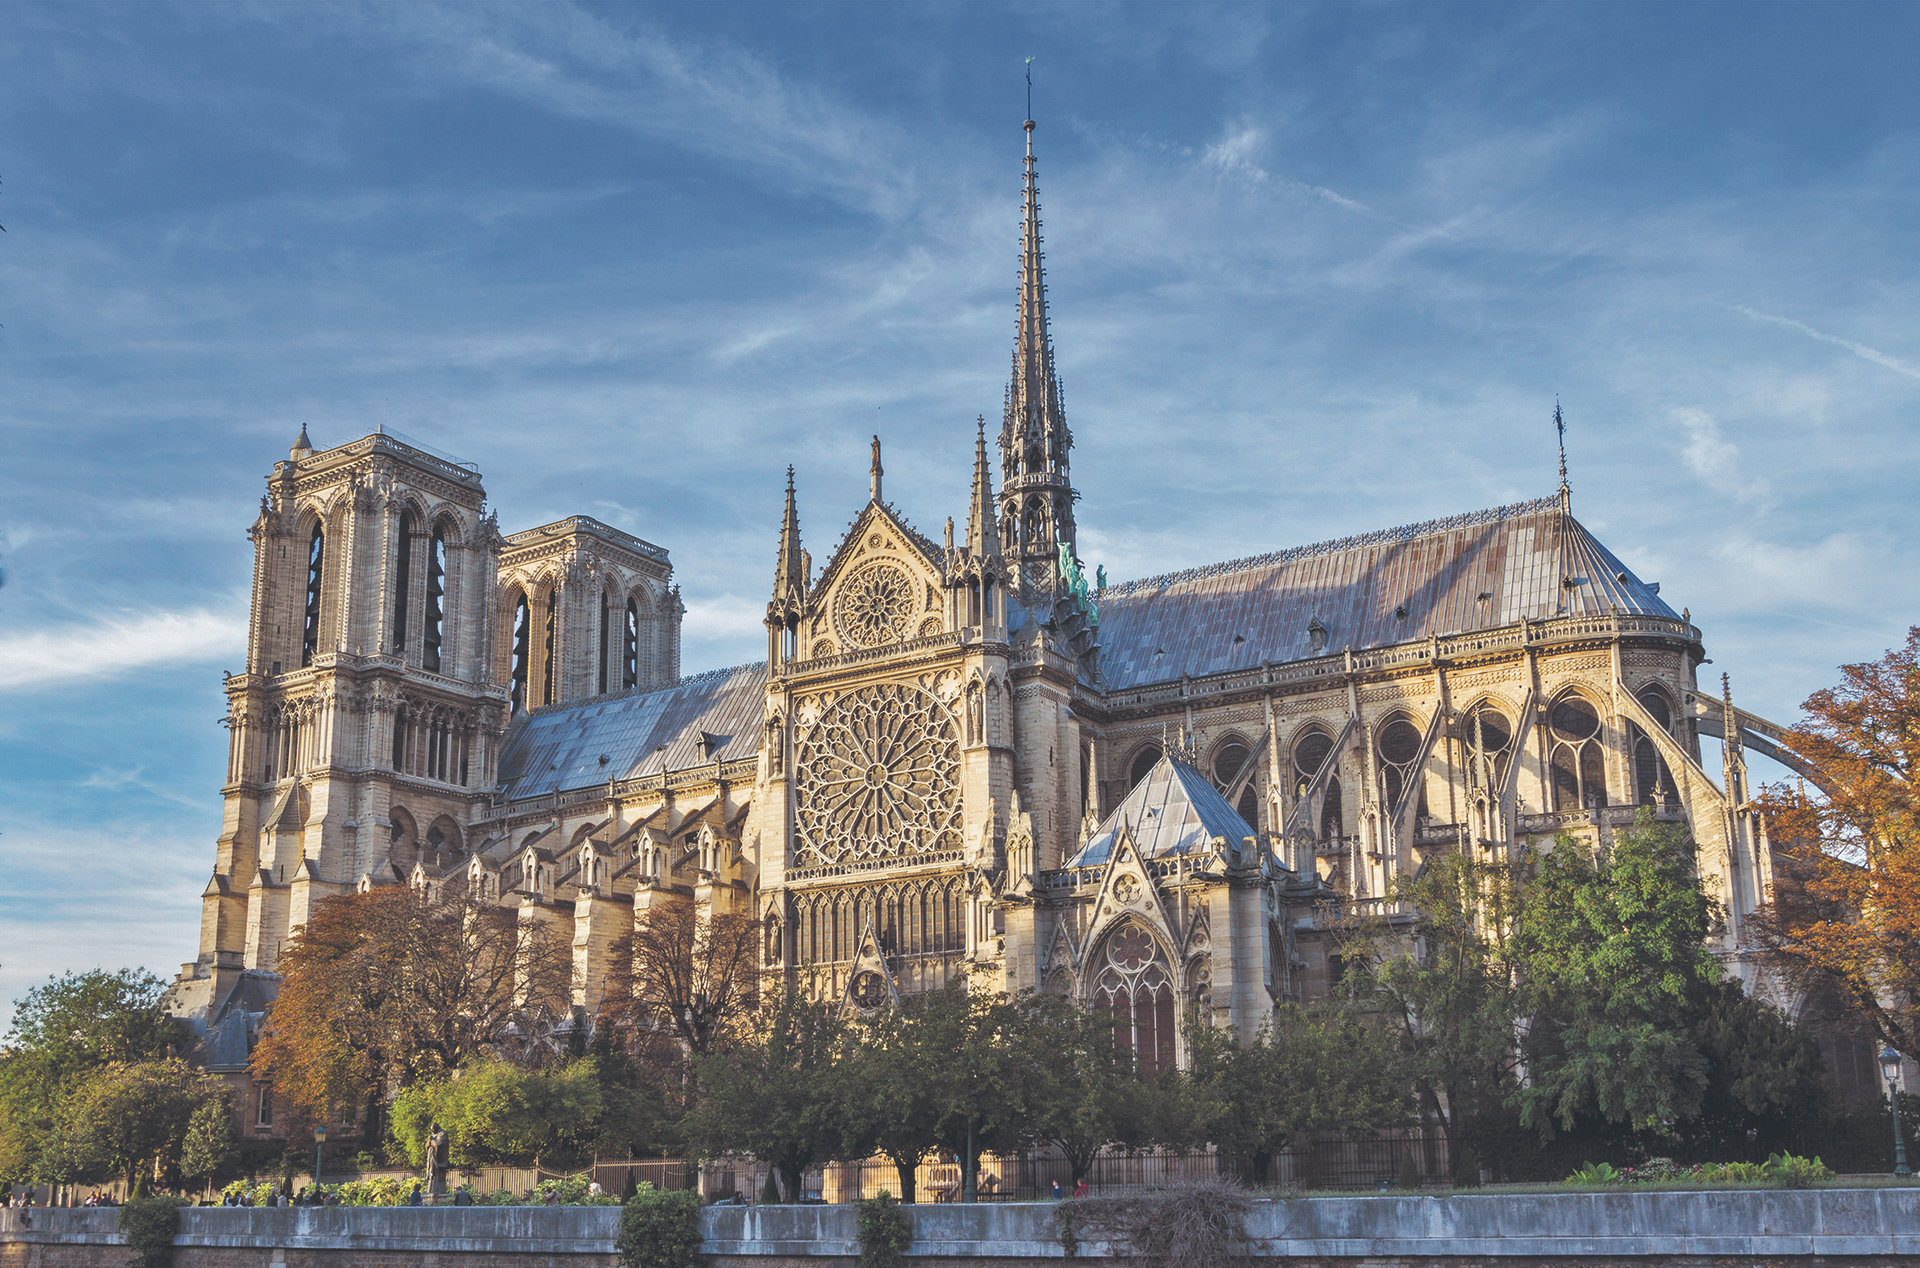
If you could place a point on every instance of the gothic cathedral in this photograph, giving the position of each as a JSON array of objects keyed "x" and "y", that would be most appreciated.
[{"x": 960, "y": 756}]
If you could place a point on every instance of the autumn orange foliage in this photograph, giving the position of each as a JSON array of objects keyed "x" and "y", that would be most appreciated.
[
  {"x": 383, "y": 987},
  {"x": 1845, "y": 911}
]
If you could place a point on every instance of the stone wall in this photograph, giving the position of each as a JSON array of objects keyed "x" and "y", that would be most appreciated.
[{"x": 1832, "y": 1228}]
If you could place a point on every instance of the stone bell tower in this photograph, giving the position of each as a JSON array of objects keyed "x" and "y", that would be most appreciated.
[{"x": 365, "y": 726}]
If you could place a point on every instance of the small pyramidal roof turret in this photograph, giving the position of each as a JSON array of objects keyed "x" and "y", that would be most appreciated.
[
  {"x": 302, "y": 445},
  {"x": 983, "y": 533},
  {"x": 790, "y": 569}
]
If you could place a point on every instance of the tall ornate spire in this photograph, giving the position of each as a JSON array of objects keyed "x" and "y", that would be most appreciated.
[
  {"x": 1036, "y": 500},
  {"x": 983, "y": 533},
  {"x": 790, "y": 571}
]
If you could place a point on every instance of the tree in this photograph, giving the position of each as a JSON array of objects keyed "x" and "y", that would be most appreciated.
[
  {"x": 1451, "y": 994},
  {"x": 1303, "y": 1075},
  {"x": 685, "y": 973},
  {"x": 1084, "y": 1087},
  {"x": 62, "y": 1032},
  {"x": 890, "y": 1105},
  {"x": 497, "y": 1112},
  {"x": 131, "y": 1120},
  {"x": 388, "y": 986},
  {"x": 1844, "y": 914},
  {"x": 780, "y": 1094},
  {"x": 1613, "y": 947},
  {"x": 210, "y": 1150},
  {"x": 1766, "y": 1078},
  {"x": 982, "y": 1067}
]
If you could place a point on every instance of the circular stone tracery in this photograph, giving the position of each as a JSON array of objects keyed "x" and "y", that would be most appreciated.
[
  {"x": 876, "y": 605},
  {"x": 879, "y": 778}
]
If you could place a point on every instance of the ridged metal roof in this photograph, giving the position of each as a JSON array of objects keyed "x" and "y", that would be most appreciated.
[
  {"x": 1174, "y": 810},
  {"x": 1477, "y": 571},
  {"x": 709, "y": 717}
]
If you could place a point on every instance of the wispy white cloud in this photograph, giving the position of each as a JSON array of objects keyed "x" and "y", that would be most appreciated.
[
  {"x": 1715, "y": 459},
  {"x": 111, "y": 647},
  {"x": 1861, "y": 350}
]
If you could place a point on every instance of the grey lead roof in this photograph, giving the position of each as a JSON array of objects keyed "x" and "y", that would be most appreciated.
[
  {"x": 1476, "y": 571},
  {"x": 709, "y": 717},
  {"x": 1174, "y": 810}
]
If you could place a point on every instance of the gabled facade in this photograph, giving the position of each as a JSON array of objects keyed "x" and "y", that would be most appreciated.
[{"x": 959, "y": 757}]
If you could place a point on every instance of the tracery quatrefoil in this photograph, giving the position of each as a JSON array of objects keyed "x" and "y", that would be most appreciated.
[{"x": 879, "y": 778}]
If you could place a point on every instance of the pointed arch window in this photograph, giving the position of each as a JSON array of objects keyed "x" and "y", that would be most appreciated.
[
  {"x": 310, "y": 628},
  {"x": 1652, "y": 780},
  {"x": 522, "y": 646},
  {"x": 630, "y": 647},
  {"x": 1226, "y": 768},
  {"x": 1398, "y": 747},
  {"x": 436, "y": 600},
  {"x": 1578, "y": 761},
  {"x": 1143, "y": 765},
  {"x": 1312, "y": 752},
  {"x": 402, "y": 579},
  {"x": 1135, "y": 989},
  {"x": 549, "y": 638}
]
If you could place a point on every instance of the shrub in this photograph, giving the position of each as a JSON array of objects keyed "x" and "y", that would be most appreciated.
[
  {"x": 1197, "y": 1225},
  {"x": 150, "y": 1225},
  {"x": 885, "y": 1232},
  {"x": 1790, "y": 1172},
  {"x": 572, "y": 1191},
  {"x": 259, "y": 1193},
  {"x": 660, "y": 1230},
  {"x": 1596, "y": 1173}
]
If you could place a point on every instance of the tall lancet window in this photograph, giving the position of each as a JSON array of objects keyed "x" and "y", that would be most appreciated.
[
  {"x": 546, "y": 654},
  {"x": 310, "y": 630},
  {"x": 522, "y": 645},
  {"x": 436, "y": 600},
  {"x": 630, "y": 647},
  {"x": 402, "y": 579},
  {"x": 606, "y": 649}
]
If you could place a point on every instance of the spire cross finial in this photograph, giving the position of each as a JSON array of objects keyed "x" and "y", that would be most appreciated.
[{"x": 1560, "y": 427}]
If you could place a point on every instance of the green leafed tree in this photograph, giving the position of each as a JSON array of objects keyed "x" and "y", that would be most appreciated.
[
  {"x": 1613, "y": 946},
  {"x": 130, "y": 1121},
  {"x": 62, "y": 1032},
  {"x": 1303, "y": 1075},
  {"x": 780, "y": 1094},
  {"x": 499, "y": 1113}
]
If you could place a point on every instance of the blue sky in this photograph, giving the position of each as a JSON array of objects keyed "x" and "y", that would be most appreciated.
[{"x": 1314, "y": 270}]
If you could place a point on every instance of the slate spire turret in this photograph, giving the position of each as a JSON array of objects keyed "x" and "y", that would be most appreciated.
[
  {"x": 790, "y": 585},
  {"x": 983, "y": 533}
]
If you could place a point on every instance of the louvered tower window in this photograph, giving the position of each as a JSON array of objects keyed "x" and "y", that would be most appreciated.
[
  {"x": 551, "y": 637},
  {"x": 522, "y": 645},
  {"x": 402, "y": 578},
  {"x": 310, "y": 629},
  {"x": 436, "y": 600},
  {"x": 630, "y": 647}
]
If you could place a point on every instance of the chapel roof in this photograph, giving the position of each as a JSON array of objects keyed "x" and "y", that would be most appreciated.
[
  {"x": 696, "y": 721},
  {"x": 1174, "y": 810},
  {"x": 1482, "y": 570}
]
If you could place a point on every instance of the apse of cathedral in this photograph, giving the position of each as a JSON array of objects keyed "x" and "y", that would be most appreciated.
[{"x": 962, "y": 757}]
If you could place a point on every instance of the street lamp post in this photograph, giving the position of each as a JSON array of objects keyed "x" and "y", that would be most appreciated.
[
  {"x": 319, "y": 1143},
  {"x": 1890, "y": 1066}
]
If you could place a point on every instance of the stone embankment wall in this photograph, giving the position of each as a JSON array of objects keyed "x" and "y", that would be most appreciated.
[{"x": 1831, "y": 1228}]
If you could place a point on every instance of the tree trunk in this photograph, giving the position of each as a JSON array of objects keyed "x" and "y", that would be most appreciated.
[
  {"x": 795, "y": 1181},
  {"x": 970, "y": 1169},
  {"x": 905, "y": 1168}
]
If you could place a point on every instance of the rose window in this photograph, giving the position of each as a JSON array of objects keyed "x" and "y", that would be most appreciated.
[
  {"x": 876, "y": 606},
  {"x": 879, "y": 778},
  {"x": 1131, "y": 948}
]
